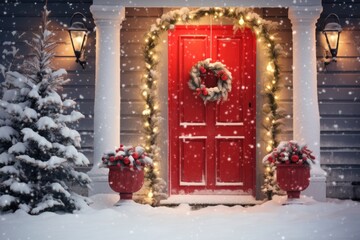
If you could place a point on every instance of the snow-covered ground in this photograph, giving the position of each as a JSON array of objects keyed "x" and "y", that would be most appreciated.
[{"x": 333, "y": 219}]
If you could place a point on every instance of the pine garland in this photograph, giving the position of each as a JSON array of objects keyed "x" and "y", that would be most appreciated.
[{"x": 242, "y": 17}]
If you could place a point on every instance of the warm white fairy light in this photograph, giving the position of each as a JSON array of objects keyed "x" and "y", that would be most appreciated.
[
  {"x": 241, "y": 21},
  {"x": 270, "y": 67},
  {"x": 269, "y": 148}
]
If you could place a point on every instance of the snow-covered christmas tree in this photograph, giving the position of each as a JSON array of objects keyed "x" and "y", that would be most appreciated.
[{"x": 38, "y": 151}]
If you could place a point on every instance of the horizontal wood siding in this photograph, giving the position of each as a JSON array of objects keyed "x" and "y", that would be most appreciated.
[
  {"x": 339, "y": 99},
  {"x": 338, "y": 85},
  {"x": 24, "y": 18}
]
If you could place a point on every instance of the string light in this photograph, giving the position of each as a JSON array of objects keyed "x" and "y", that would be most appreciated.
[
  {"x": 269, "y": 148},
  {"x": 241, "y": 21},
  {"x": 270, "y": 67}
]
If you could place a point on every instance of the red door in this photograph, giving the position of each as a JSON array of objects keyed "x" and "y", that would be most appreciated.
[{"x": 212, "y": 146}]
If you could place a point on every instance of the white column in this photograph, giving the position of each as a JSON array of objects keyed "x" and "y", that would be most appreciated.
[
  {"x": 306, "y": 118},
  {"x": 108, "y": 21}
]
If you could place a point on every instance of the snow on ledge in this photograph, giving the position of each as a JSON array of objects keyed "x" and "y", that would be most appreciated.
[{"x": 211, "y": 199}]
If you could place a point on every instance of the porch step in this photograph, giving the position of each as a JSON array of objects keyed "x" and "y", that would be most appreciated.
[{"x": 210, "y": 200}]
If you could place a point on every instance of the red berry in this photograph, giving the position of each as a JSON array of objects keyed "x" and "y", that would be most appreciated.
[
  {"x": 138, "y": 162},
  {"x": 294, "y": 158},
  {"x": 224, "y": 77},
  {"x": 111, "y": 158},
  {"x": 205, "y": 92},
  {"x": 202, "y": 70},
  {"x": 198, "y": 91},
  {"x": 135, "y": 155},
  {"x": 126, "y": 160}
]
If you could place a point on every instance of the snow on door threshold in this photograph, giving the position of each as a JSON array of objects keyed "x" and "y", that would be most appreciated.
[{"x": 211, "y": 200}]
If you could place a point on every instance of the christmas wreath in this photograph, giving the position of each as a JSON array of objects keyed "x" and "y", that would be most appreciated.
[{"x": 223, "y": 75}]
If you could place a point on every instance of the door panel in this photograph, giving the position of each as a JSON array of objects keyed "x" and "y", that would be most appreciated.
[
  {"x": 197, "y": 47},
  {"x": 229, "y": 170},
  {"x": 211, "y": 145},
  {"x": 227, "y": 51},
  {"x": 193, "y": 161}
]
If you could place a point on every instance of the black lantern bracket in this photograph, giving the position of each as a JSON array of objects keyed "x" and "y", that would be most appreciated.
[
  {"x": 78, "y": 32},
  {"x": 331, "y": 30}
]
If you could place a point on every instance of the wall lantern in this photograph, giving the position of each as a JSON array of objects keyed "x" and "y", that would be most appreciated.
[
  {"x": 332, "y": 32},
  {"x": 78, "y": 34}
]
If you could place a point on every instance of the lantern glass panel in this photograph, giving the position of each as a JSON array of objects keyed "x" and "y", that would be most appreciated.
[
  {"x": 333, "y": 38},
  {"x": 78, "y": 39}
]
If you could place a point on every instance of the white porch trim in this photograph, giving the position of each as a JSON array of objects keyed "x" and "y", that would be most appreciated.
[
  {"x": 108, "y": 21},
  {"x": 108, "y": 15},
  {"x": 306, "y": 117}
]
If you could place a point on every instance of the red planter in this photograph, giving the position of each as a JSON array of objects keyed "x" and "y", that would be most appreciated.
[
  {"x": 293, "y": 178},
  {"x": 125, "y": 182}
]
